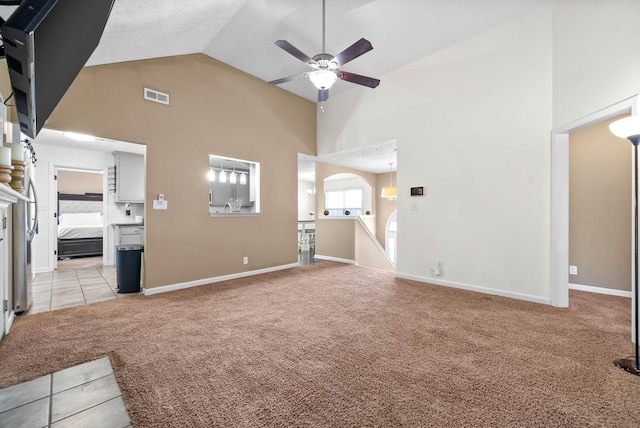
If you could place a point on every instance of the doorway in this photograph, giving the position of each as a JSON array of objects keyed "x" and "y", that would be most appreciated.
[
  {"x": 560, "y": 195},
  {"x": 559, "y": 295},
  {"x": 78, "y": 235}
]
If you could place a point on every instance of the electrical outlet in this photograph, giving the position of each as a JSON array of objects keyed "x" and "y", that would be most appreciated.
[
  {"x": 573, "y": 270},
  {"x": 436, "y": 269},
  {"x": 245, "y": 260}
]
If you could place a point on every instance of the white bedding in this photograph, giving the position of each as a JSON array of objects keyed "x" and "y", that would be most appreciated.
[
  {"x": 80, "y": 225},
  {"x": 80, "y": 231}
]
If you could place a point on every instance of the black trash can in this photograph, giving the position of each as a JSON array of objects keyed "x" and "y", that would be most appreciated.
[{"x": 128, "y": 268}]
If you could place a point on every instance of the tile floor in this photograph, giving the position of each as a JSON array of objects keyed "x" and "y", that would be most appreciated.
[
  {"x": 85, "y": 395},
  {"x": 80, "y": 396},
  {"x": 73, "y": 287}
]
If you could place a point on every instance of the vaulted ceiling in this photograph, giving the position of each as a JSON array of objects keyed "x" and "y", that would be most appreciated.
[{"x": 242, "y": 33}]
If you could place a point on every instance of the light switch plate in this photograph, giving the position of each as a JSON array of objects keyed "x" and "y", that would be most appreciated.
[{"x": 160, "y": 205}]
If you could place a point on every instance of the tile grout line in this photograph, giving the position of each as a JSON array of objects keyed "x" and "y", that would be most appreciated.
[
  {"x": 107, "y": 282},
  {"x": 80, "y": 284},
  {"x": 50, "y": 400},
  {"x": 51, "y": 293},
  {"x": 91, "y": 407}
]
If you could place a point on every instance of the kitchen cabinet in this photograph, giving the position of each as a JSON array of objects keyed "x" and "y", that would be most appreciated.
[
  {"x": 129, "y": 234},
  {"x": 129, "y": 177}
]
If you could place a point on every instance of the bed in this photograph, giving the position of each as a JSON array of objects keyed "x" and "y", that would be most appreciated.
[{"x": 79, "y": 233}]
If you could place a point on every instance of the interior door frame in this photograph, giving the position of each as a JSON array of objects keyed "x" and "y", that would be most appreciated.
[
  {"x": 54, "y": 203},
  {"x": 560, "y": 197}
]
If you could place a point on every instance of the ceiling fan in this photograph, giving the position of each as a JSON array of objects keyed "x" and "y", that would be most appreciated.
[{"x": 326, "y": 67}]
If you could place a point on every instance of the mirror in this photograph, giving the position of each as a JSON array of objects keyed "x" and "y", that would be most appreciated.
[{"x": 234, "y": 186}]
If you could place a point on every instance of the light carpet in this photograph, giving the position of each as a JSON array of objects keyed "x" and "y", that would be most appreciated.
[{"x": 329, "y": 344}]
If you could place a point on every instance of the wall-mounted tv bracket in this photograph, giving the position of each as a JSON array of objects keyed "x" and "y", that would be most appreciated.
[{"x": 2, "y": 21}]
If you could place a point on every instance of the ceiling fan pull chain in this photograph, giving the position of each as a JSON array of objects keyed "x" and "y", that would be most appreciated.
[{"x": 323, "y": 29}]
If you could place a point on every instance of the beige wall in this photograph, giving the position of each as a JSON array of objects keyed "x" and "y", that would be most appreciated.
[
  {"x": 600, "y": 207},
  {"x": 381, "y": 209},
  {"x": 367, "y": 253},
  {"x": 335, "y": 237},
  {"x": 79, "y": 183},
  {"x": 324, "y": 170},
  {"x": 215, "y": 109}
]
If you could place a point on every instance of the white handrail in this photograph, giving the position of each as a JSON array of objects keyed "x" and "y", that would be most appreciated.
[{"x": 375, "y": 241}]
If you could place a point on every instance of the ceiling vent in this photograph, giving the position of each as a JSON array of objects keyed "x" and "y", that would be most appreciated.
[{"x": 159, "y": 97}]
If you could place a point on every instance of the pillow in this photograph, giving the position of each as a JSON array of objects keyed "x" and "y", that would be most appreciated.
[{"x": 80, "y": 219}]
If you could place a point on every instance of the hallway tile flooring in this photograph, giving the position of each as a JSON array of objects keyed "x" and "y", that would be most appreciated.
[
  {"x": 81, "y": 396},
  {"x": 73, "y": 287},
  {"x": 84, "y": 395}
]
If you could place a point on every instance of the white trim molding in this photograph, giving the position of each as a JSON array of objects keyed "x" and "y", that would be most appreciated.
[
  {"x": 478, "y": 289},
  {"x": 600, "y": 290},
  {"x": 559, "y": 281},
  {"x": 334, "y": 259},
  {"x": 10, "y": 319},
  {"x": 205, "y": 281}
]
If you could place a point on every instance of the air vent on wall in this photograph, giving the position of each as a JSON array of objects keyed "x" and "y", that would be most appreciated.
[{"x": 159, "y": 97}]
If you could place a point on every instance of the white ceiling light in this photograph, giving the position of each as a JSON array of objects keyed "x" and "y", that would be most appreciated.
[
  {"x": 79, "y": 137},
  {"x": 390, "y": 192},
  {"x": 323, "y": 79}
]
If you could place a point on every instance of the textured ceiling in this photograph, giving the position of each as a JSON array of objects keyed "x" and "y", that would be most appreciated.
[{"x": 242, "y": 33}]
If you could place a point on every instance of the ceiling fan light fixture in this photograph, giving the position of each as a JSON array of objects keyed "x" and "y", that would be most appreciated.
[{"x": 323, "y": 79}]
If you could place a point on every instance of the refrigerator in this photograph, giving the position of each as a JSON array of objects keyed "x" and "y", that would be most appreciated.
[{"x": 25, "y": 227}]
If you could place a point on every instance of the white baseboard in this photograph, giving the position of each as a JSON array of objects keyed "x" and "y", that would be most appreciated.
[
  {"x": 198, "y": 282},
  {"x": 334, "y": 259},
  {"x": 600, "y": 290},
  {"x": 493, "y": 291},
  {"x": 9, "y": 322}
]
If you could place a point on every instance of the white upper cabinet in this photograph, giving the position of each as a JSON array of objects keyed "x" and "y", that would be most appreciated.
[{"x": 129, "y": 177}]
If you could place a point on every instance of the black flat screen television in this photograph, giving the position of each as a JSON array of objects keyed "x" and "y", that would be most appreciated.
[{"x": 47, "y": 42}]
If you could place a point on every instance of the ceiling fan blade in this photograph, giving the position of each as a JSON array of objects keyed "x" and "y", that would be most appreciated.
[
  {"x": 358, "y": 79},
  {"x": 288, "y": 78},
  {"x": 283, "y": 44},
  {"x": 360, "y": 47},
  {"x": 323, "y": 95}
]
